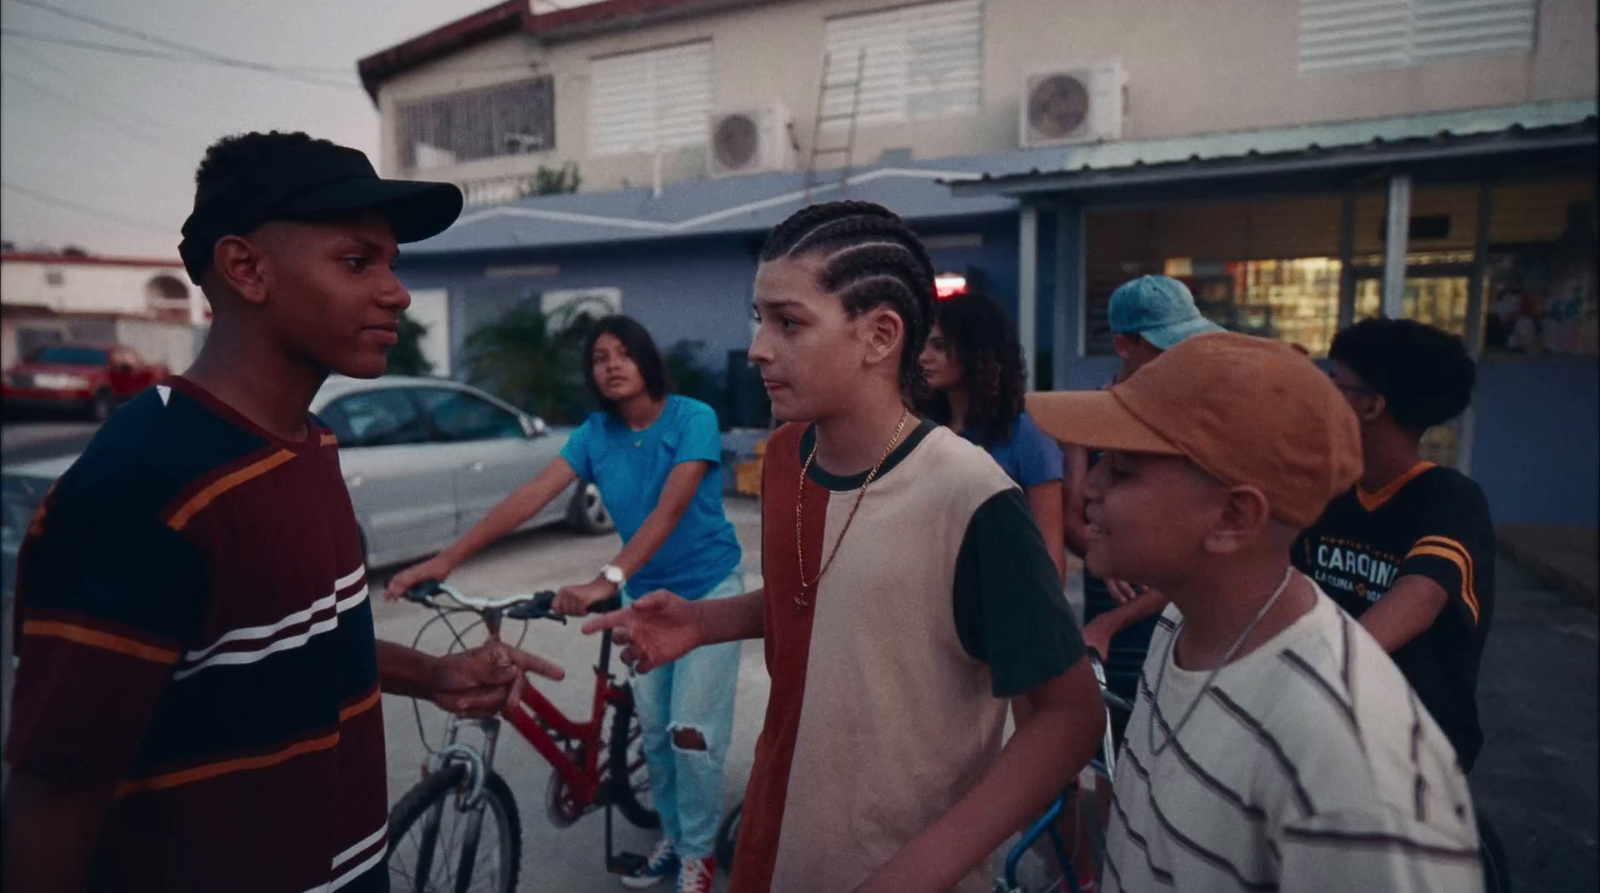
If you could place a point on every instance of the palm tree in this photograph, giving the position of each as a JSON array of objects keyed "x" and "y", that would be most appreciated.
[
  {"x": 406, "y": 357},
  {"x": 533, "y": 361}
]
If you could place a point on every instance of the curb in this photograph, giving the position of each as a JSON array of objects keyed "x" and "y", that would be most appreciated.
[{"x": 1581, "y": 587}]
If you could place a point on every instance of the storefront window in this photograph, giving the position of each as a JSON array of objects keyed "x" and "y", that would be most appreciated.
[
  {"x": 1271, "y": 266},
  {"x": 1540, "y": 281},
  {"x": 1439, "y": 301},
  {"x": 1267, "y": 268}
]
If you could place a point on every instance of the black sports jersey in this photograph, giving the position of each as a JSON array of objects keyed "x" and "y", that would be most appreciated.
[{"x": 1431, "y": 522}]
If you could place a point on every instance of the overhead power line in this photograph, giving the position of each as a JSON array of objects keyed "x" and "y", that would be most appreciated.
[
  {"x": 136, "y": 52},
  {"x": 127, "y": 128},
  {"x": 301, "y": 75},
  {"x": 103, "y": 47},
  {"x": 70, "y": 205}
]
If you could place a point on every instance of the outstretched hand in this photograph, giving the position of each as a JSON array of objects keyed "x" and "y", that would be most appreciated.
[
  {"x": 480, "y": 682},
  {"x": 655, "y": 630}
]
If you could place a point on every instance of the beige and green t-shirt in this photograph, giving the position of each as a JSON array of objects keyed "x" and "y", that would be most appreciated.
[{"x": 890, "y": 690}]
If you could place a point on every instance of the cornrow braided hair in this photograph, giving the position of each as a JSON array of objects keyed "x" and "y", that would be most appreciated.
[
  {"x": 870, "y": 257},
  {"x": 993, "y": 370}
]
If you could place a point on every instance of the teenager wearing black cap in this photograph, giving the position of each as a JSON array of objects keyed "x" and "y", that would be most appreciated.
[{"x": 197, "y": 693}]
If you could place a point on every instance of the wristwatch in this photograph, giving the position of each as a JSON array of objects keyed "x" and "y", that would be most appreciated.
[{"x": 613, "y": 575}]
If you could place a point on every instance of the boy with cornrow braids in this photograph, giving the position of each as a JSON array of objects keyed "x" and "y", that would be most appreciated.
[{"x": 908, "y": 595}]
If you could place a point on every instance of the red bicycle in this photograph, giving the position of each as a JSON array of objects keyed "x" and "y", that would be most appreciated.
[{"x": 436, "y": 831}]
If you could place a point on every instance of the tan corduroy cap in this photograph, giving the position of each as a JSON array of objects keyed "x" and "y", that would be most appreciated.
[{"x": 1246, "y": 410}]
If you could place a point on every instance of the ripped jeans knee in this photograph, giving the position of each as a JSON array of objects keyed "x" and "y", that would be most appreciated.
[{"x": 688, "y": 738}]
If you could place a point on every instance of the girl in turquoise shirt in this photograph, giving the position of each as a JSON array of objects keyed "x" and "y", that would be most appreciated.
[{"x": 656, "y": 458}]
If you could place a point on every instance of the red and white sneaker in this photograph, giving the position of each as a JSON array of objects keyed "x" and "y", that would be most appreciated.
[{"x": 694, "y": 875}]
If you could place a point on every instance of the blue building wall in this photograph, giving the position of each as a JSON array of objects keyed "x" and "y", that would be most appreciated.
[
  {"x": 683, "y": 289},
  {"x": 680, "y": 291},
  {"x": 1536, "y": 448}
]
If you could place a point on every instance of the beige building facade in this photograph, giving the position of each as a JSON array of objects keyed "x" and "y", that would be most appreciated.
[
  {"x": 627, "y": 91},
  {"x": 147, "y": 304}
]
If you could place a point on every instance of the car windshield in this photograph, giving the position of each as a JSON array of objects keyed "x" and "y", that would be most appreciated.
[{"x": 72, "y": 356}]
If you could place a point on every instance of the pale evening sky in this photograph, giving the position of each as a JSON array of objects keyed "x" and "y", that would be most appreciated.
[{"x": 98, "y": 149}]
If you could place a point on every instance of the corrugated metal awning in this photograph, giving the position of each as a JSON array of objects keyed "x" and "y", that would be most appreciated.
[{"x": 1376, "y": 143}]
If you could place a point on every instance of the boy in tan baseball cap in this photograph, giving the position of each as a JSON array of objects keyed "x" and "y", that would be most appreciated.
[{"x": 1274, "y": 743}]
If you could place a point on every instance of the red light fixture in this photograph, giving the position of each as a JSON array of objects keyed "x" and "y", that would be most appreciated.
[{"x": 948, "y": 285}]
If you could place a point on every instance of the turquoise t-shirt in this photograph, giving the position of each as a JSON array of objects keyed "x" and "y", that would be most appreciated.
[{"x": 630, "y": 468}]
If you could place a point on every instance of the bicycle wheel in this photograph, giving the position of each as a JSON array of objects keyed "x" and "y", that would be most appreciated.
[
  {"x": 627, "y": 775},
  {"x": 438, "y": 846},
  {"x": 1496, "y": 867}
]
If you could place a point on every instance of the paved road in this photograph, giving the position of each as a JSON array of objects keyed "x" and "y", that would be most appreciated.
[
  {"x": 25, "y": 441},
  {"x": 1537, "y": 777}
]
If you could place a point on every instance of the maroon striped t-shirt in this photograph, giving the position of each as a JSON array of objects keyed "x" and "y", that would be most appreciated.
[{"x": 194, "y": 631}]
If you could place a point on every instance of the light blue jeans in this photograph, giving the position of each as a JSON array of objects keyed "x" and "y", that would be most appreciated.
[{"x": 693, "y": 693}]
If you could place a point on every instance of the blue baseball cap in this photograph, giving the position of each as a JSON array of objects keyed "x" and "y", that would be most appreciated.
[{"x": 1158, "y": 309}]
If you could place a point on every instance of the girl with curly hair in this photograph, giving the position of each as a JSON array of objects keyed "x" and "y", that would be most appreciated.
[{"x": 973, "y": 363}]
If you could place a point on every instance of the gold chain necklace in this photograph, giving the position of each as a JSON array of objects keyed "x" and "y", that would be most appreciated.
[{"x": 799, "y": 539}]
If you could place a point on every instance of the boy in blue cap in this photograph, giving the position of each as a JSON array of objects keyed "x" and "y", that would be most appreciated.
[{"x": 1148, "y": 315}]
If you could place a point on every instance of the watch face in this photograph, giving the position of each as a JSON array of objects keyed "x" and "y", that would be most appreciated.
[{"x": 613, "y": 575}]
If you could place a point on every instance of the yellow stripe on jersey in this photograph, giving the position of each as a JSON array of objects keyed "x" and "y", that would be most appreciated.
[
  {"x": 226, "y": 767},
  {"x": 98, "y": 639},
  {"x": 223, "y": 484},
  {"x": 1449, "y": 549}
]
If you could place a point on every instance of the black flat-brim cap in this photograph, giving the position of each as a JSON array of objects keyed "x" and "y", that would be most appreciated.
[
  {"x": 415, "y": 209},
  {"x": 312, "y": 182}
]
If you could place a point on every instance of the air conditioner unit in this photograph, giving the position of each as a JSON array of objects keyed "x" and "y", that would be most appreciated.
[
  {"x": 1078, "y": 104},
  {"x": 747, "y": 140}
]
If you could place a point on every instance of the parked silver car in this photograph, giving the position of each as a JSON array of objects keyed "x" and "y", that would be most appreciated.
[{"x": 424, "y": 459}]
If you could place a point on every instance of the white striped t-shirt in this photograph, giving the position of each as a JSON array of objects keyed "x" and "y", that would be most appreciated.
[{"x": 1308, "y": 766}]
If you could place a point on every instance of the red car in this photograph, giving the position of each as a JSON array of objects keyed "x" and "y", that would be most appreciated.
[{"x": 81, "y": 378}]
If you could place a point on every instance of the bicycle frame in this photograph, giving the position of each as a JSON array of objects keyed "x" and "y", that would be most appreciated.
[
  {"x": 1105, "y": 766},
  {"x": 549, "y": 731},
  {"x": 546, "y": 728}
]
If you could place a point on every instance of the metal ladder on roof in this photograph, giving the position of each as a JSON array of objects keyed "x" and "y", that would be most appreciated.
[{"x": 825, "y": 89}]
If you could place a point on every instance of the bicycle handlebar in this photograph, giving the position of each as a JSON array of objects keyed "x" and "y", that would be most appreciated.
[
  {"x": 1112, "y": 699},
  {"x": 524, "y": 606},
  {"x": 542, "y": 608}
]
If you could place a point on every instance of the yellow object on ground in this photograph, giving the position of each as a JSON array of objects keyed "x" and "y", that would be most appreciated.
[{"x": 747, "y": 475}]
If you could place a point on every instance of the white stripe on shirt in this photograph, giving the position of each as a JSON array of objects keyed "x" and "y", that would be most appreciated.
[
  {"x": 239, "y": 658},
  {"x": 261, "y": 632}
]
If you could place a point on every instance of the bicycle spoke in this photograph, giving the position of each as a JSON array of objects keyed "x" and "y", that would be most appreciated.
[
  {"x": 399, "y": 870},
  {"x": 448, "y": 862}
]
